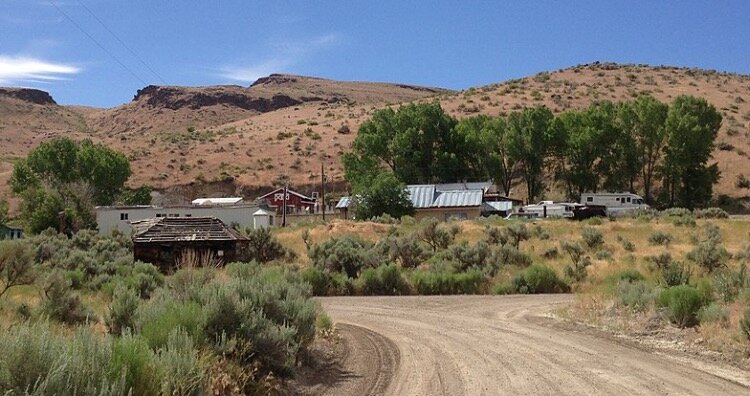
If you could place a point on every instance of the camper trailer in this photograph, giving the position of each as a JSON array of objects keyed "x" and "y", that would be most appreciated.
[
  {"x": 614, "y": 202},
  {"x": 548, "y": 209}
]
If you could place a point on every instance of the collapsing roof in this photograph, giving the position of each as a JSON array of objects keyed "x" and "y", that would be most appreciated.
[{"x": 178, "y": 229}]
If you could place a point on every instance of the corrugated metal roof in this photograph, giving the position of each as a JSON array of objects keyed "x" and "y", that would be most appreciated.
[
  {"x": 343, "y": 203},
  {"x": 485, "y": 186},
  {"x": 449, "y": 199},
  {"x": 421, "y": 195},
  {"x": 173, "y": 229}
]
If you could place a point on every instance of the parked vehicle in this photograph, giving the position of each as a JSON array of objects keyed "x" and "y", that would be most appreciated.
[
  {"x": 614, "y": 202},
  {"x": 548, "y": 209}
]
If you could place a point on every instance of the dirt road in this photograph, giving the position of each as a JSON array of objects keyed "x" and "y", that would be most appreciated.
[{"x": 500, "y": 345}]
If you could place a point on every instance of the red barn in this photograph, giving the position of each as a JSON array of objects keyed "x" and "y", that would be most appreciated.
[{"x": 295, "y": 202}]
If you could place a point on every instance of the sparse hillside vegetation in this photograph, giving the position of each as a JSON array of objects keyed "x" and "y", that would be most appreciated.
[{"x": 240, "y": 133}]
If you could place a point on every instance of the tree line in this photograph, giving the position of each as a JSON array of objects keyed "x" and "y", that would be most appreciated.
[{"x": 660, "y": 150}]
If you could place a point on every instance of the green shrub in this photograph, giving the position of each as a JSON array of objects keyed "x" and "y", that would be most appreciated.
[
  {"x": 495, "y": 235},
  {"x": 432, "y": 283},
  {"x": 592, "y": 238},
  {"x": 676, "y": 212},
  {"x": 577, "y": 269},
  {"x": 684, "y": 221},
  {"x": 436, "y": 234},
  {"x": 711, "y": 213},
  {"x": 551, "y": 253},
  {"x": 133, "y": 362},
  {"x": 709, "y": 255},
  {"x": 60, "y": 303},
  {"x": 263, "y": 247},
  {"x": 157, "y": 319},
  {"x": 516, "y": 233},
  {"x": 385, "y": 280},
  {"x": 182, "y": 369},
  {"x": 745, "y": 323},
  {"x": 122, "y": 310},
  {"x": 406, "y": 250},
  {"x": 469, "y": 257},
  {"x": 729, "y": 283},
  {"x": 347, "y": 254},
  {"x": 660, "y": 238},
  {"x": 603, "y": 254},
  {"x": 326, "y": 283},
  {"x": 539, "y": 278},
  {"x": 631, "y": 275},
  {"x": 713, "y": 313},
  {"x": 636, "y": 295},
  {"x": 503, "y": 288},
  {"x": 16, "y": 264},
  {"x": 509, "y": 255},
  {"x": 627, "y": 245},
  {"x": 674, "y": 274},
  {"x": 683, "y": 303}
]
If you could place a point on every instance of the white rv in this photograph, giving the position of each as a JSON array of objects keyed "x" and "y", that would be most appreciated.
[
  {"x": 614, "y": 202},
  {"x": 548, "y": 209}
]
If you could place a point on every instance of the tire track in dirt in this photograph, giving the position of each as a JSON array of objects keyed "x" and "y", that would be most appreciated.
[{"x": 493, "y": 345}]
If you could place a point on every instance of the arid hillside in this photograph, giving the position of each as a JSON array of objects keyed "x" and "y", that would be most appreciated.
[{"x": 282, "y": 126}]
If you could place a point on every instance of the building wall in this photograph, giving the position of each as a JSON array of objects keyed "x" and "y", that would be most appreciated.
[
  {"x": 443, "y": 214},
  {"x": 109, "y": 219},
  {"x": 295, "y": 218}
]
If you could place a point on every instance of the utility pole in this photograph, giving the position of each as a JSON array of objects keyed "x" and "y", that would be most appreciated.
[
  {"x": 283, "y": 214},
  {"x": 323, "y": 187}
]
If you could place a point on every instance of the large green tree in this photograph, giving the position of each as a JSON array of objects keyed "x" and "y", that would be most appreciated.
[
  {"x": 530, "y": 139},
  {"x": 417, "y": 143},
  {"x": 643, "y": 120},
  {"x": 692, "y": 125},
  {"x": 485, "y": 138},
  {"x": 383, "y": 195},
  {"x": 61, "y": 180}
]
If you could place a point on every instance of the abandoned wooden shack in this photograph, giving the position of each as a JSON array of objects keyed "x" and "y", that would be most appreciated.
[{"x": 170, "y": 242}]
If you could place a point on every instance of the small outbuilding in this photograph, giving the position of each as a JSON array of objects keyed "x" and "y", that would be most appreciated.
[
  {"x": 168, "y": 242},
  {"x": 8, "y": 232},
  {"x": 263, "y": 219}
]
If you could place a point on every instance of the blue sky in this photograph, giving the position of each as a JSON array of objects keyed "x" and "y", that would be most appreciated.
[{"x": 448, "y": 44}]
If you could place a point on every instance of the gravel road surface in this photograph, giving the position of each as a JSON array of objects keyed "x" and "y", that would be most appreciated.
[{"x": 501, "y": 345}]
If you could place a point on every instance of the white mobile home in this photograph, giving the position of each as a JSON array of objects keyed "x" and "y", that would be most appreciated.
[
  {"x": 614, "y": 202},
  {"x": 110, "y": 218}
]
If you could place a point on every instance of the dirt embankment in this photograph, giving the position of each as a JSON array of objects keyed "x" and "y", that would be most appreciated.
[{"x": 486, "y": 345}]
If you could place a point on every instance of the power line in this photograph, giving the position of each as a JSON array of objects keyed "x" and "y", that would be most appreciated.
[
  {"x": 51, "y": 2},
  {"x": 122, "y": 42}
]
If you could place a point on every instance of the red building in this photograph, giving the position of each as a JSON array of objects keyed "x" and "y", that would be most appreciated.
[{"x": 295, "y": 202}]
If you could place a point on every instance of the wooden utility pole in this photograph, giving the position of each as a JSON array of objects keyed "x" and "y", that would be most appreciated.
[
  {"x": 323, "y": 187},
  {"x": 283, "y": 214}
]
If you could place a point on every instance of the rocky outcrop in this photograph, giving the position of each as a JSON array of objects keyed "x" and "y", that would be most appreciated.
[
  {"x": 28, "y": 95},
  {"x": 176, "y": 98}
]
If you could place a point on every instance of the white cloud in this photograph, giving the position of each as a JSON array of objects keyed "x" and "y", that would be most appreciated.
[
  {"x": 251, "y": 73},
  {"x": 19, "y": 69},
  {"x": 285, "y": 55}
]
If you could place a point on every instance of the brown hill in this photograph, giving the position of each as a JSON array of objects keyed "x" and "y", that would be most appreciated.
[{"x": 282, "y": 125}]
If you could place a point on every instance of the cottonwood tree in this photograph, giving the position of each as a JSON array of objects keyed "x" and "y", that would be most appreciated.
[
  {"x": 384, "y": 194},
  {"x": 486, "y": 138},
  {"x": 644, "y": 121},
  {"x": 417, "y": 143},
  {"x": 529, "y": 141},
  {"x": 61, "y": 180},
  {"x": 691, "y": 126}
]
